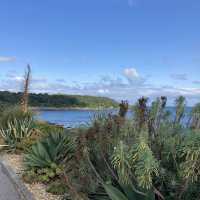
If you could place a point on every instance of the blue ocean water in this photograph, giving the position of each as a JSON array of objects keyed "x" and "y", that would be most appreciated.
[
  {"x": 69, "y": 118},
  {"x": 73, "y": 118}
]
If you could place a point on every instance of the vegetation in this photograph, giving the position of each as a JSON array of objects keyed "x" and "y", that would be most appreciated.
[
  {"x": 16, "y": 131},
  {"x": 44, "y": 160},
  {"x": 57, "y": 100},
  {"x": 25, "y": 96},
  {"x": 51, "y": 150},
  {"x": 57, "y": 188},
  {"x": 11, "y": 113},
  {"x": 152, "y": 156}
]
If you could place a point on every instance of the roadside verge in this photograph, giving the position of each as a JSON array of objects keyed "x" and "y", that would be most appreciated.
[{"x": 16, "y": 181}]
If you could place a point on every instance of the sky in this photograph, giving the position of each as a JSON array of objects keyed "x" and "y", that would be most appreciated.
[{"x": 123, "y": 49}]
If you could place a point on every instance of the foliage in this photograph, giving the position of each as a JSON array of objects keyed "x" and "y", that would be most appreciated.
[
  {"x": 144, "y": 163},
  {"x": 180, "y": 108},
  {"x": 126, "y": 193},
  {"x": 44, "y": 175},
  {"x": 156, "y": 114},
  {"x": 45, "y": 128},
  {"x": 151, "y": 156},
  {"x": 25, "y": 96},
  {"x": 12, "y": 113},
  {"x": 51, "y": 150},
  {"x": 123, "y": 108},
  {"x": 141, "y": 113},
  {"x": 57, "y": 188},
  {"x": 191, "y": 154},
  {"x": 57, "y": 100},
  {"x": 195, "y": 117},
  {"x": 17, "y": 130}
]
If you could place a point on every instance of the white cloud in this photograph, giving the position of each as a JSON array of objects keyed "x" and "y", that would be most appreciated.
[
  {"x": 131, "y": 73},
  {"x": 7, "y": 59},
  {"x": 118, "y": 87},
  {"x": 18, "y": 78},
  {"x": 12, "y": 75},
  {"x": 103, "y": 91},
  {"x": 133, "y": 77}
]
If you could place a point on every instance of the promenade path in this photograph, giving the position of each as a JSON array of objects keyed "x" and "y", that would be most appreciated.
[{"x": 7, "y": 189}]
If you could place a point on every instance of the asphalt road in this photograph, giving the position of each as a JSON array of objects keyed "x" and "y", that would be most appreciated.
[{"x": 7, "y": 190}]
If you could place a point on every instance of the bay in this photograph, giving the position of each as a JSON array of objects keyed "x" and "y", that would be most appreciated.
[{"x": 74, "y": 118}]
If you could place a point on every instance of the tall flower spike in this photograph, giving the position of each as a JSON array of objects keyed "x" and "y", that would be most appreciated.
[{"x": 24, "y": 101}]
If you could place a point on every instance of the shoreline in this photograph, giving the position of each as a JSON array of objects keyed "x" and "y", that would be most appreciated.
[{"x": 68, "y": 108}]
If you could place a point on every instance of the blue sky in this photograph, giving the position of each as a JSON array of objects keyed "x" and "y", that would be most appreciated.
[{"x": 117, "y": 48}]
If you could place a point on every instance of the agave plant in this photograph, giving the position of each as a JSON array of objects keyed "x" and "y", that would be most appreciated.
[
  {"x": 17, "y": 130},
  {"x": 13, "y": 112},
  {"x": 126, "y": 192},
  {"x": 53, "y": 149}
]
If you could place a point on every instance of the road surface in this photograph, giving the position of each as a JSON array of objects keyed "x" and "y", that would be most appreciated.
[{"x": 7, "y": 190}]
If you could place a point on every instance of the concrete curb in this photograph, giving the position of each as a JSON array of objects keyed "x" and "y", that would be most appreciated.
[{"x": 16, "y": 181}]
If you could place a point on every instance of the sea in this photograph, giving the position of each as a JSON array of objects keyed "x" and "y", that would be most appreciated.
[{"x": 74, "y": 118}]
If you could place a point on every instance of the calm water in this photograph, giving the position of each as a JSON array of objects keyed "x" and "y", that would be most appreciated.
[
  {"x": 73, "y": 118},
  {"x": 70, "y": 118}
]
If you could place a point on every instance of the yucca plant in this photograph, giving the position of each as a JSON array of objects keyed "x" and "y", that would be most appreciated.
[
  {"x": 53, "y": 149},
  {"x": 17, "y": 130}
]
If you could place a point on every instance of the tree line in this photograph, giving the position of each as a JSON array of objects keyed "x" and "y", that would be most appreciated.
[{"x": 56, "y": 100}]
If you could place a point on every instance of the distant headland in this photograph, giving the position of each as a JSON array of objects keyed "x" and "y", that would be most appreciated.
[{"x": 46, "y": 101}]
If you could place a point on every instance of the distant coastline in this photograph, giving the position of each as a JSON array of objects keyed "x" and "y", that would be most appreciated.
[
  {"x": 69, "y": 108},
  {"x": 44, "y": 101}
]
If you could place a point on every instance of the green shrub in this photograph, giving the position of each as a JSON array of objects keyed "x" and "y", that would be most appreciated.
[
  {"x": 46, "y": 128},
  {"x": 195, "y": 117},
  {"x": 53, "y": 149},
  {"x": 126, "y": 193},
  {"x": 17, "y": 130},
  {"x": 152, "y": 154},
  {"x": 57, "y": 188},
  {"x": 30, "y": 176},
  {"x": 44, "y": 175},
  {"x": 11, "y": 113},
  {"x": 26, "y": 143}
]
